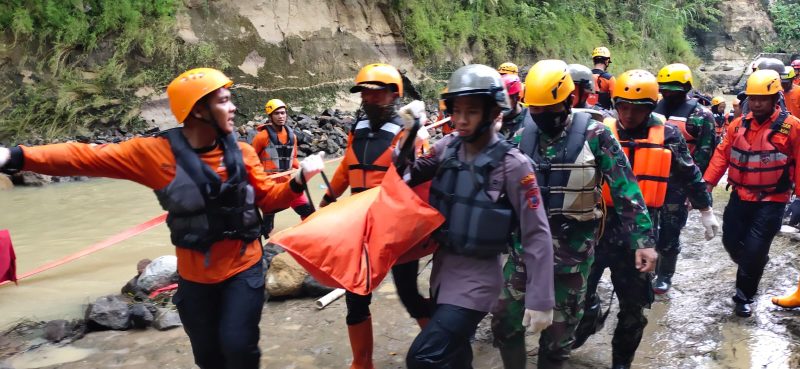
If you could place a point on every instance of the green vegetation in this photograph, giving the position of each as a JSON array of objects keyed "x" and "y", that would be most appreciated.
[
  {"x": 785, "y": 16},
  {"x": 639, "y": 33},
  {"x": 88, "y": 58}
]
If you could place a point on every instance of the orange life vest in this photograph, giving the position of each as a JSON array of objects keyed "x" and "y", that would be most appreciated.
[
  {"x": 678, "y": 118},
  {"x": 369, "y": 154},
  {"x": 759, "y": 166},
  {"x": 277, "y": 156},
  {"x": 650, "y": 161}
]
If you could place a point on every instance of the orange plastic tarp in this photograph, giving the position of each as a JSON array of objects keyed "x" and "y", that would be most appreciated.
[{"x": 354, "y": 242}]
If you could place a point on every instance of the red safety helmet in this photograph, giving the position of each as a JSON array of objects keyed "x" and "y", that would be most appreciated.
[{"x": 512, "y": 83}]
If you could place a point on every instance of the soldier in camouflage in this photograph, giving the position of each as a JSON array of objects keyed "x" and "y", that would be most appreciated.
[
  {"x": 642, "y": 134},
  {"x": 513, "y": 119},
  {"x": 697, "y": 125},
  {"x": 573, "y": 154}
]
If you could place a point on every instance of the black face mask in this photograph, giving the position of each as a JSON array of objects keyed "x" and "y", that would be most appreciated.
[
  {"x": 551, "y": 123},
  {"x": 378, "y": 114}
]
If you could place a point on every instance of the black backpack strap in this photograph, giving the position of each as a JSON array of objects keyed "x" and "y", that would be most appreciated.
[
  {"x": 205, "y": 178},
  {"x": 529, "y": 142}
]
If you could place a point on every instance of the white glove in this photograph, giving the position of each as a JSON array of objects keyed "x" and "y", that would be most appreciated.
[
  {"x": 414, "y": 110},
  {"x": 310, "y": 166},
  {"x": 537, "y": 321},
  {"x": 5, "y": 155},
  {"x": 710, "y": 223}
]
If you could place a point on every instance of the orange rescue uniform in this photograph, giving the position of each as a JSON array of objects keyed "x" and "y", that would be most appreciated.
[
  {"x": 262, "y": 141},
  {"x": 149, "y": 161},
  {"x": 786, "y": 141},
  {"x": 792, "y": 99},
  {"x": 367, "y": 158}
]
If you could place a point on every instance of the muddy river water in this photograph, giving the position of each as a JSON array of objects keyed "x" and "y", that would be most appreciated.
[{"x": 691, "y": 327}]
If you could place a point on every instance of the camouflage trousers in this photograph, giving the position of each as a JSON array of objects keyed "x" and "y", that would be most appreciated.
[
  {"x": 673, "y": 218},
  {"x": 632, "y": 287},
  {"x": 556, "y": 341}
]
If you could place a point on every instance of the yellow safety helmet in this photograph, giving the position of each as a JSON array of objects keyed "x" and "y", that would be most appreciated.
[
  {"x": 273, "y": 105},
  {"x": 717, "y": 100},
  {"x": 601, "y": 51},
  {"x": 189, "y": 87},
  {"x": 548, "y": 83},
  {"x": 636, "y": 86},
  {"x": 508, "y": 68},
  {"x": 378, "y": 76},
  {"x": 763, "y": 82},
  {"x": 675, "y": 77},
  {"x": 788, "y": 73}
]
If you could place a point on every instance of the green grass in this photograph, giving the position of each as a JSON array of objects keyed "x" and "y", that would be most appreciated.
[
  {"x": 640, "y": 34},
  {"x": 90, "y": 57},
  {"x": 785, "y": 16}
]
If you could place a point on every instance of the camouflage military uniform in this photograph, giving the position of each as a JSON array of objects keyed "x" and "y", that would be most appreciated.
[
  {"x": 511, "y": 127},
  {"x": 614, "y": 250},
  {"x": 673, "y": 218},
  {"x": 574, "y": 243}
]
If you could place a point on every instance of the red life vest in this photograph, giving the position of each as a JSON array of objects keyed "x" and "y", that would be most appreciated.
[
  {"x": 678, "y": 118},
  {"x": 650, "y": 161},
  {"x": 759, "y": 166}
]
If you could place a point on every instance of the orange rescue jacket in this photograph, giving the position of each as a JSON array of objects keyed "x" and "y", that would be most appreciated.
[
  {"x": 367, "y": 158},
  {"x": 650, "y": 161},
  {"x": 276, "y": 150}
]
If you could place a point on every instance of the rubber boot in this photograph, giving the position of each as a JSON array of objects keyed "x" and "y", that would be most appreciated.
[
  {"x": 664, "y": 271},
  {"x": 592, "y": 321},
  {"x": 423, "y": 322},
  {"x": 546, "y": 363},
  {"x": 514, "y": 356},
  {"x": 361, "y": 344},
  {"x": 789, "y": 301}
]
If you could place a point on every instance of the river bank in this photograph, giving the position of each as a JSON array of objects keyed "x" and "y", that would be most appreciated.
[{"x": 691, "y": 327}]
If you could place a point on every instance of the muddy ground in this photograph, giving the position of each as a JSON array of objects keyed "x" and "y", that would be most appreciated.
[{"x": 691, "y": 327}]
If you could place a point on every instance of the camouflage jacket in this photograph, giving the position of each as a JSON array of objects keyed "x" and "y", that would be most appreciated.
[{"x": 617, "y": 172}]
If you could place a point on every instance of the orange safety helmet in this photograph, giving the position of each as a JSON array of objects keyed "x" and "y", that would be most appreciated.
[
  {"x": 189, "y": 87},
  {"x": 763, "y": 82},
  {"x": 377, "y": 76},
  {"x": 636, "y": 86}
]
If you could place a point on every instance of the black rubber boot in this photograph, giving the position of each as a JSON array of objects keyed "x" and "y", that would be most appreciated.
[
  {"x": 514, "y": 356},
  {"x": 664, "y": 272},
  {"x": 546, "y": 363},
  {"x": 591, "y": 322}
]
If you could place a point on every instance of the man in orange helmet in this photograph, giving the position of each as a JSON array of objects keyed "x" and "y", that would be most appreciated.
[
  {"x": 603, "y": 80},
  {"x": 199, "y": 173},
  {"x": 760, "y": 152},
  {"x": 656, "y": 152},
  {"x": 367, "y": 158},
  {"x": 276, "y": 147}
]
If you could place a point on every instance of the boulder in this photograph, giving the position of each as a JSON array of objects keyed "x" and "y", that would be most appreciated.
[
  {"x": 108, "y": 312},
  {"x": 141, "y": 316},
  {"x": 57, "y": 330},
  {"x": 285, "y": 276},
  {"x": 5, "y": 182},
  {"x": 26, "y": 178},
  {"x": 160, "y": 272},
  {"x": 167, "y": 319},
  {"x": 141, "y": 265}
]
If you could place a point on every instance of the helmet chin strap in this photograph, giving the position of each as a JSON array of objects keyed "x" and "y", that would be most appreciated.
[{"x": 482, "y": 128}]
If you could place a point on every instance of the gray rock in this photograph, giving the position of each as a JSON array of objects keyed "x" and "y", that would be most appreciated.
[
  {"x": 141, "y": 317},
  {"x": 26, "y": 178},
  {"x": 57, "y": 330},
  {"x": 285, "y": 276},
  {"x": 108, "y": 312},
  {"x": 6, "y": 365},
  {"x": 5, "y": 182},
  {"x": 161, "y": 272},
  {"x": 141, "y": 265},
  {"x": 167, "y": 319}
]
